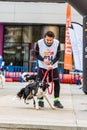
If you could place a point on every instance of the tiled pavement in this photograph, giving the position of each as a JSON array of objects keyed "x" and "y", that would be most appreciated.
[{"x": 15, "y": 115}]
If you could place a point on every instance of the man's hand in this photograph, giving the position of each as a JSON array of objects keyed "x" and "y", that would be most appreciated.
[
  {"x": 49, "y": 67},
  {"x": 46, "y": 61}
]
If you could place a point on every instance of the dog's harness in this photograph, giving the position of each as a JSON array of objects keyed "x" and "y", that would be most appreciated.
[{"x": 50, "y": 90}]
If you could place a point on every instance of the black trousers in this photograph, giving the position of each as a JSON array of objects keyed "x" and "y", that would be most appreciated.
[{"x": 52, "y": 74}]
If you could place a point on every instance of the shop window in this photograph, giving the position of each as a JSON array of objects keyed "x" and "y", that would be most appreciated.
[{"x": 62, "y": 34}]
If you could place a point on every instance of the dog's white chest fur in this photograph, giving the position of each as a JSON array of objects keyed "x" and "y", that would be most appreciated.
[{"x": 40, "y": 93}]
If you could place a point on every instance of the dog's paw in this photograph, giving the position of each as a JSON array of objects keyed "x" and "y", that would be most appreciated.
[
  {"x": 37, "y": 108},
  {"x": 26, "y": 102},
  {"x": 53, "y": 107}
]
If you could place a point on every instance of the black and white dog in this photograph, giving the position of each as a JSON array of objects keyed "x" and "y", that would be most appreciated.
[{"x": 34, "y": 90}]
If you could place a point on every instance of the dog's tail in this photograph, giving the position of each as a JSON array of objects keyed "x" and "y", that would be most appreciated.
[{"x": 21, "y": 93}]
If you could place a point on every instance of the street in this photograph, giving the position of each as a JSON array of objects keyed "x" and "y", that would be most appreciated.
[{"x": 15, "y": 114}]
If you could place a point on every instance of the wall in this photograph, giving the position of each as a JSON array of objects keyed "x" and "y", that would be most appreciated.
[
  {"x": 1, "y": 38},
  {"x": 24, "y": 12}
]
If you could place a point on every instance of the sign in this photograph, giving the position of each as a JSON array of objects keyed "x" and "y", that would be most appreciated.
[
  {"x": 68, "y": 47},
  {"x": 76, "y": 36}
]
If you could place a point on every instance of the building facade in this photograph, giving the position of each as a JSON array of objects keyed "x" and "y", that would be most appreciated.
[{"x": 23, "y": 23}]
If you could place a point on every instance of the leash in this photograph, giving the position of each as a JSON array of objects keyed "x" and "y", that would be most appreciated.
[
  {"x": 50, "y": 90},
  {"x": 44, "y": 74}
]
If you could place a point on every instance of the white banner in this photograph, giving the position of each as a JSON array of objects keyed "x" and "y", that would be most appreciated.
[{"x": 76, "y": 36}]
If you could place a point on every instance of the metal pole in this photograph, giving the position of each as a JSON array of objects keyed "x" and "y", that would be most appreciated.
[{"x": 85, "y": 54}]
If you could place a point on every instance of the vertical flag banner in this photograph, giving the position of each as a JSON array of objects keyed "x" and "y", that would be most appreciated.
[
  {"x": 76, "y": 36},
  {"x": 68, "y": 47}
]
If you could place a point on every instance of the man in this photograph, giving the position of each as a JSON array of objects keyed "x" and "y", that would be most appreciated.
[{"x": 47, "y": 52}]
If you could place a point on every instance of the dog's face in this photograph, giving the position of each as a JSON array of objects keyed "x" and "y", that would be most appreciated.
[{"x": 43, "y": 85}]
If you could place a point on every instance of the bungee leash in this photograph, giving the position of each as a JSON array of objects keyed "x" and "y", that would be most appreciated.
[{"x": 50, "y": 89}]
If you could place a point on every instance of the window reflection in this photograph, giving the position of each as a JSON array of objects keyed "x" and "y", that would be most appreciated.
[
  {"x": 12, "y": 36},
  {"x": 27, "y": 34},
  {"x": 62, "y": 34},
  {"x": 31, "y": 34}
]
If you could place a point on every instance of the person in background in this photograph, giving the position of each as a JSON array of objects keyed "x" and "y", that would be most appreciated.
[
  {"x": 11, "y": 64},
  {"x": 47, "y": 52},
  {"x": 1, "y": 59}
]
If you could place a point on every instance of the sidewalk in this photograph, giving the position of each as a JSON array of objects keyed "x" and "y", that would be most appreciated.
[{"x": 14, "y": 114}]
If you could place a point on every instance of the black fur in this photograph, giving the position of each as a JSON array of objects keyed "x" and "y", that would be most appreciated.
[{"x": 32, "y": 89}]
